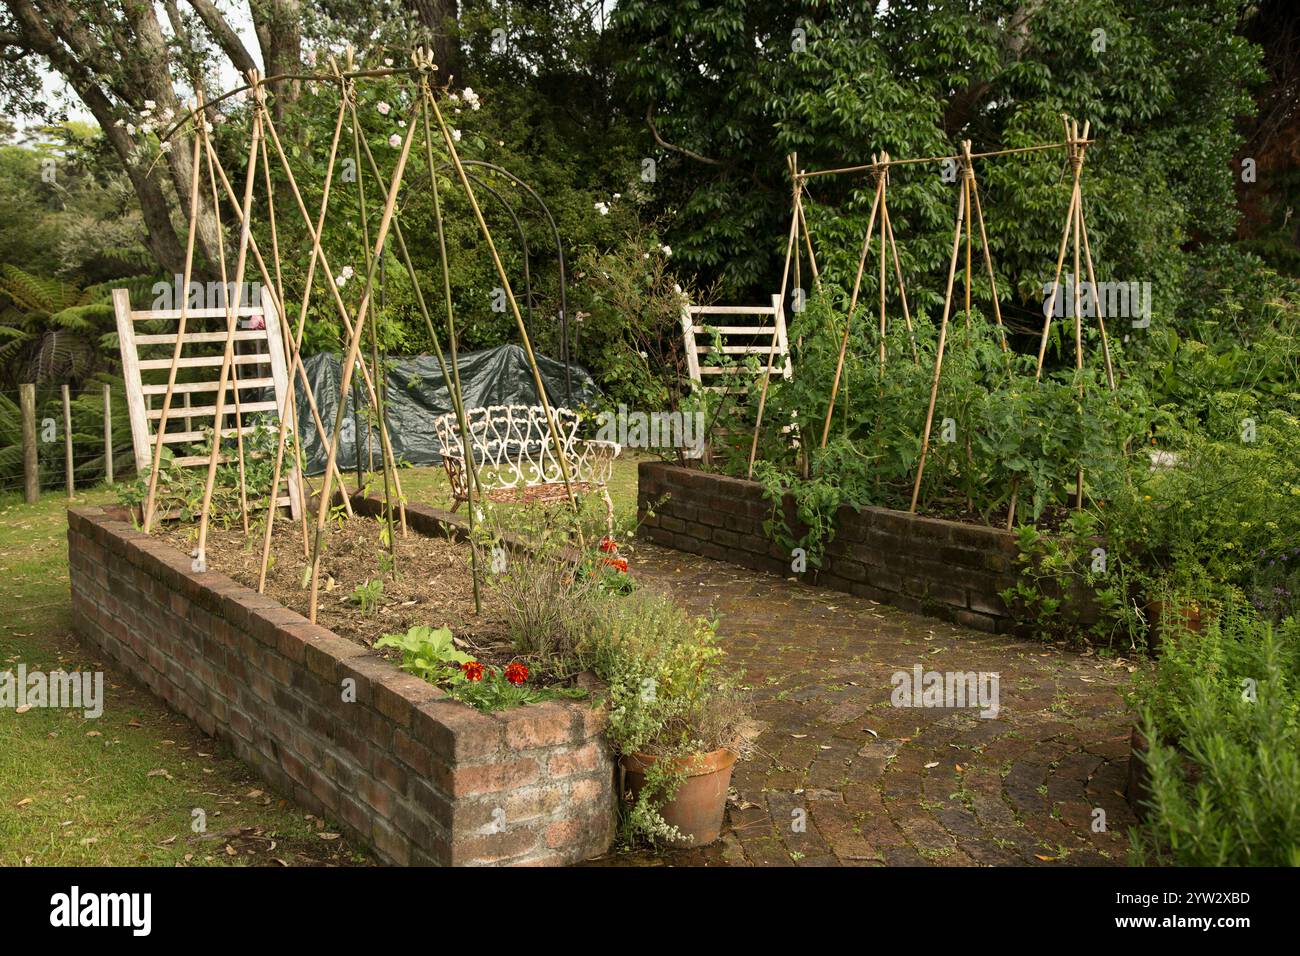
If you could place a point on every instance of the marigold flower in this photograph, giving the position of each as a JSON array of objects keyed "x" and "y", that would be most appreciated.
[
  {"x": 516, "y": 673},
  {"x": 608, "y": 544},
  {"x": 472, "y": 670}
]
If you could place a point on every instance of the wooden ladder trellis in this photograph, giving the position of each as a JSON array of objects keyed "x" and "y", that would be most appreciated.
[
  {"x": 754, "y": 337},
  {"x": 259, "y": 366},
  {"x": 741, "y": 330}
]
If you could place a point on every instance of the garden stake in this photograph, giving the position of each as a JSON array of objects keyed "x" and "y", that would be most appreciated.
[
  {"x": 514, "y": 305},
  {"x": 231, "y": 324},
  {"x": 354, "y": 345},
  {"x": 938, "y": 353},
  {"x": 785, "y": 276},
  {"x": 344, "y": 315},
  {"x": 289, "y": 407},
  {"x": 853, "y": 304},
  {"x": 161, "y": 429},
  {"x": 457, "y": 395},
  {"x": 1060, "y": 263},
  {"x": 902, "y": 292},
  {"x": 884, "y": 204},
  {"x": 978, "y": 209},
  {"x": 377, "y": 371},
  {"x": 1101, "y": 318},
  {"x": 279, "y": 302}
]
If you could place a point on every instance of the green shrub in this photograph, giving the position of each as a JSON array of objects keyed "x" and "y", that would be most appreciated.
[
  {"x": 670, "y": 693},
  {"x": 1222, "y": 717}
]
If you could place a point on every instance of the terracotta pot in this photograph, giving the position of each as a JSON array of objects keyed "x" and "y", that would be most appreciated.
[
  {"x": 698, "y": 806},
  {"x": 1169, "y": 621}
]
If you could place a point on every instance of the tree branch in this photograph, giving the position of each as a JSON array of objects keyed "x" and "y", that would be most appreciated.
[
  {"x": 690, "y": 154},
  {"x": 225, "y": 36}
]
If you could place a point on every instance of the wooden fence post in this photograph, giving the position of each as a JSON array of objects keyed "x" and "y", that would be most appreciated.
[
  {"x": 31, "y": 482},
  {"x": 108, "y": 434},
  {"x": 67, "y": 439}
]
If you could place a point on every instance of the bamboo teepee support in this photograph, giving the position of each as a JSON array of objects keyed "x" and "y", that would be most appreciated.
[
  {"x": 902, "y": 291},
  {"x": 151, "y": 497},
  {"x": 472, "y": 486},
  {"x": 314, "y": 234},
  {"x": 377, "y": 371},
  {"x": 939, "y": 348},
  {"x": 292, "y": 348},
  {"x": 884, "y": 204},
  {"x": 354, "y": 345},
  {"x": 785, "y": 277},
  {"x": 278, "y": 301},
  {"x": 978, "y": 210},
  {"x": 452, "y": 376},
  {"x": 231, "y": 324},
  {"x": 287, "y": 425},
  {"x": 807, "y": 237},
  {"x": 1075, "y": 199},
  {"x": 853, "y": 304},
  {"x": 454, "y": 154}
]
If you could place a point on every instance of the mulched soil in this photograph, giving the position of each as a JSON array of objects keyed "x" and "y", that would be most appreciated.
[
  {"x": 433, "y": 585},
  {"x": 1053, "y": 519}
]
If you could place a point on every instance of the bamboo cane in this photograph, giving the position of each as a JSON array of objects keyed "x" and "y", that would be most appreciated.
[
  {"x": 938, "y": 355},
  {"x": 231, "y": 310},
  {"x": 807, "y": 236},
  {"x": 1101, "y": 319},
  {"x": 771, "y": 351},
  {"x": 161, "y": 429},
  {"x": 967, "y": 181},
  {"x": 354, "y": 345},
  {"x": 1060, "y": 264},
  {"x": 902, "y": 291},
  {"x": 286, "y": 336},
  {"x": 344, "y": 315},
  {"x": 978, "y": 209},
  {"x": 279, "y": 303},
  {"x": 458, "y": 395},
  {"x": 377, "y": 370},
  {"x": 853, "y": 303},
  {"x": 884, "y": 205},
  {"x": 290, "y": 406},
  {"x": 514, "y": 305},
  {"x": 1078, "y": 308}
]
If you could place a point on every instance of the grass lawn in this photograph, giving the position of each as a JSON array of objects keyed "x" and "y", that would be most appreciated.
[{"x": 123, "y": 789}]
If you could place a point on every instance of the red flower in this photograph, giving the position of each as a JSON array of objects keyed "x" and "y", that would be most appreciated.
[
  {"x": 516, "y": 673},
  {"x": 472, "y": 670},
  {"x": 618, "y": 564},
  {"x": 608, "y": 545}
]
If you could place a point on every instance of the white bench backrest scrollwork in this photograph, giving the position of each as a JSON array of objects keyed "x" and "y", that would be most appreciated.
[{"x": 513, "y": 448}]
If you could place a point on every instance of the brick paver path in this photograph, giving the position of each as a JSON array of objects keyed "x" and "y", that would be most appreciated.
[{"x": 875, "y": 784}]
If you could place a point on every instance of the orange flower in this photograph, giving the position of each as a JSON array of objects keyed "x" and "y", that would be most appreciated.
[
  {"x": 516, "y": 673},
  {"x": 472, "y": 670}
]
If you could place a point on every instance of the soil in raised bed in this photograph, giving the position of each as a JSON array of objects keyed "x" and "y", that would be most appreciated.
[{"x": 433, "y": 585}]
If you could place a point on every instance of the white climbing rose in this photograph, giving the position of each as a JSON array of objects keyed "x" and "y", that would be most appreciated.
[
  {"x": 383, "y": 108},
  {"x": 394, "y": 141}
]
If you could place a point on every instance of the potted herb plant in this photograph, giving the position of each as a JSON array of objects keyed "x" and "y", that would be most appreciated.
[{"x": 675, "y": 716}]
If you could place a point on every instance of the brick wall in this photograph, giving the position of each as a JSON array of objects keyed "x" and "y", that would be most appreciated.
[
  {"x": 945, "y": 569},
  {"x": 420, "y": 778}
]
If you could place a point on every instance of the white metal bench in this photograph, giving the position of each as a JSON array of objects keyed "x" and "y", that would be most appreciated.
[{"x": 516, "y": 458}]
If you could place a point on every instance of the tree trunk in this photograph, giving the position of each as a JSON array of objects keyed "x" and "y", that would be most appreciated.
[{"x": 440, "y": 17}]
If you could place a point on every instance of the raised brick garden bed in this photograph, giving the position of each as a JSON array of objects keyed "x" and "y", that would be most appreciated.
[
  {"x": 942, "y": 568},
  {"x": 420, "y": 778}
]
